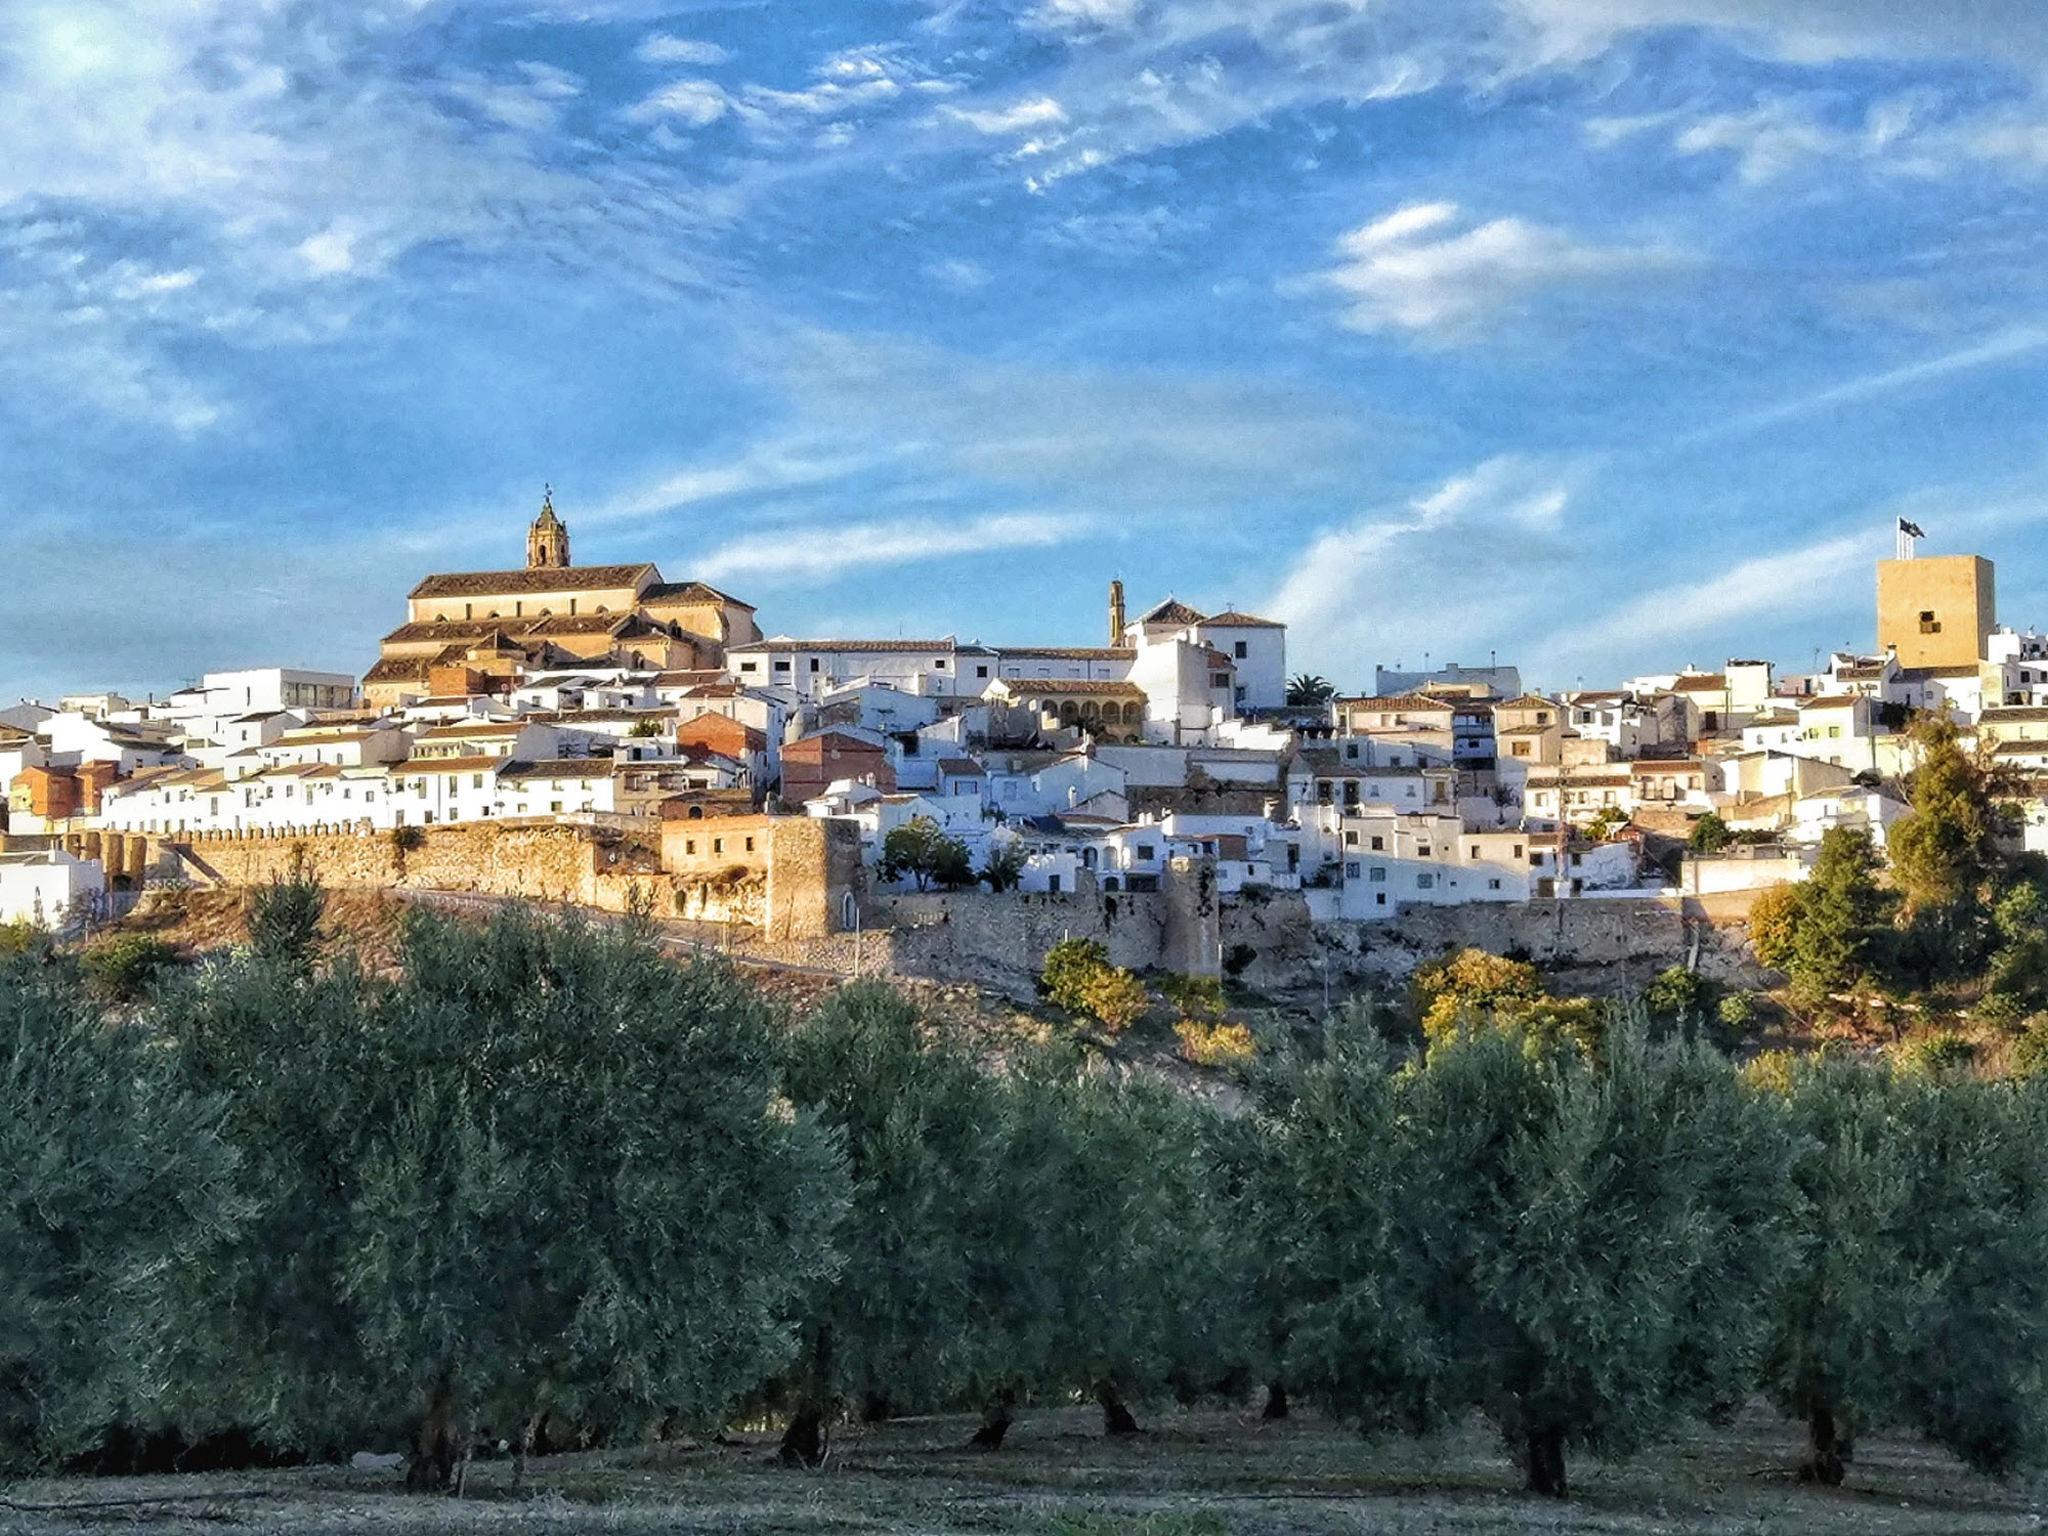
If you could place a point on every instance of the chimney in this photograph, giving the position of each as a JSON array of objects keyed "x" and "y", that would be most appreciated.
[{"x": 1116, "y": 612}]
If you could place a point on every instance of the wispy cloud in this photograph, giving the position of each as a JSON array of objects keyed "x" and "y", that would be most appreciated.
[
  {"x": 1460, "y": 564},
  {"x": 1709, "y": 606},
  {"x": 819, "y": 554},
  {"x": 666, "y": 48},
  {"x": 1429, "y": 271},
  {"x": 2011, "y": 345}
]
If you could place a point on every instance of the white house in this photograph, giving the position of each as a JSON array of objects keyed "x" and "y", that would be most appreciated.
[{"x": 48, "y": 887}]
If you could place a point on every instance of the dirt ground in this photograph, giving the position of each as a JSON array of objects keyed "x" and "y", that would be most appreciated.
[{"x": 1205, "y": 1473}]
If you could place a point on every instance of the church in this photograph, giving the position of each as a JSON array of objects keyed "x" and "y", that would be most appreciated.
[{"x": 468, "y": 631}]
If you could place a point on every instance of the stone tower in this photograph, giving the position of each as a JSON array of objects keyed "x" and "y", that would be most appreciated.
[
  {"x": 547, "y": 541},
  {"x": 1116, "y": 613}
]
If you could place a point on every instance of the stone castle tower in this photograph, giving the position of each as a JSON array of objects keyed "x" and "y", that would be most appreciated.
[
  {"x": 1116, "y": 613},
  {"x": 547, "y": 541}
]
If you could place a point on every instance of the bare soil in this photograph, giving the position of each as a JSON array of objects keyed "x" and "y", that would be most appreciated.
[{"x": 1202, "y": 1473}]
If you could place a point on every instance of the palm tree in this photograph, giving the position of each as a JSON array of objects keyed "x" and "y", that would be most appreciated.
[{"x": 1308, "y": 691}]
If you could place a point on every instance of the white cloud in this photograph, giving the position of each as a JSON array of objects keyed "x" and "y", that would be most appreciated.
[
  {"x": 2008, "y": 345},
  {"x": 824, "y": 552},
  {"x": 1810, "y": 32},
  {"x": 1390, "y": 581},
  {"x": 664, "y": 48},
  {"x": 958, "y": 274},
  {"x": 694, "y": 103},
  {"x": 332, "y": 251},
  {"x": 1410, "y": 271},
  {"x": 1084, "y": 15},
  {"x": 1032, "y": 112},
  {"x": 531, "y": 101},
  {"x": 1704, "y": 605}
]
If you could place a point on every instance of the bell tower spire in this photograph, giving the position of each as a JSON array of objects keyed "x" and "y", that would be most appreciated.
[
  {"x": 547, "y": 541},
  {"x": 1116, "y": 613}
]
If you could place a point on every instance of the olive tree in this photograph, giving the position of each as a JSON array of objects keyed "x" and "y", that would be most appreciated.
[
  {"x": 1587, "y": 1247},
  {"x": 117, "y": 1184},
  {"x": 898, "y": 1323}
]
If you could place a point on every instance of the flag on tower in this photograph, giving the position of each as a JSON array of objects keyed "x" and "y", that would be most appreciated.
[{"x": 1912, "y": 530}]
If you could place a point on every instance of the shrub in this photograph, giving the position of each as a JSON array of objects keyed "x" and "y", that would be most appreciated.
[
  {"x": 1066, "y": 969},
  {"x": 1199, "y": 997},
  {"x": 1115, "y": 999},
  {"x": 1937, "y": 1052},
  {"x": 17, "y": 937},
  {"x": 2028, "y": 1058},
  {"x": 1679, "y": 997},
  {"x": 122, "y": 967},
  {"x": 1216, "y": 1045},
  {"x": 1735, "y": 1019}
]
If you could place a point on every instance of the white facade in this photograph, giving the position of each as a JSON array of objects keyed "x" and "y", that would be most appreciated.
[{"x": 48, "y": 888}]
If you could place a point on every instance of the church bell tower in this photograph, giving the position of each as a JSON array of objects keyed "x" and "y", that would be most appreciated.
[
  {"x": 547, "y": 541},
  {"x": 1116, "y": 613}
]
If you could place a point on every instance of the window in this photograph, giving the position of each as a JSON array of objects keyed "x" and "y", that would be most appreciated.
[
  {"x": 1351, "y": 870},
  {"x": 1052, "y": 884},
  {"x": 689, "y": 845},
  {"x": 750, "y": 845},
  {"x": 1475, "y": 850},
  {"x": 1493, "y": 885},
  {"x": 938, "y": 663},
  {"x": 1351, "y": 840},
  {"x": 1378, "y": 843},
  {"x": 1380, "y": 899},
  {"x": 1379, "y": 874},
  {"x": 1240, "y": 650},
  {"x": 1929, "y": 624},
  {"x": 1425, "y": 882},
  {"x": 981, "y": 670},
  {"x": 782, "y": 666},
  {"x": 814, "y": 663},
  {"x": 1147, "y": 850},
  {"x": 1422, "y": 850},
  {"x": 748, "y": 666},
  {"x": 1219, "y": 679},
  {"x": 718, "y": 845}
]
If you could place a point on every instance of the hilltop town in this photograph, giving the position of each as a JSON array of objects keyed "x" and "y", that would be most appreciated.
[{"x": 606, "y": 737}]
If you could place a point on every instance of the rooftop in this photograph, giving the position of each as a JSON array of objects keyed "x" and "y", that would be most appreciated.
[{"x": 574, "y": 578}]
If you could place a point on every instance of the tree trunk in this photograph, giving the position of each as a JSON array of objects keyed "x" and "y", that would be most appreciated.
[
  {"x": 1276, "y": 1401},
  {"x": 439, "y": 1448},
  {"x": 523, "y": 1448},
  {"x": 1116, "y": 1418},
  {"x": 806, "y": 1442},
  {"x": 876, "y": 1409},
  {"x": 1546, "y": 1463},
  {"x": 995, "y": 1421},
  {"x": 1827, "y": 1454}
]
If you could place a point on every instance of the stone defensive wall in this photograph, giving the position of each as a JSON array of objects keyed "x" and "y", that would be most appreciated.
[{"x": 591, "y": 865}]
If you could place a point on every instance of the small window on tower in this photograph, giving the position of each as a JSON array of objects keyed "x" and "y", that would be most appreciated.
[{"x": 1929, "y": 624}]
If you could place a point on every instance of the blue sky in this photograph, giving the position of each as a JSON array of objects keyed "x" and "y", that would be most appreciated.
[{"x": 1606, "y": 335}]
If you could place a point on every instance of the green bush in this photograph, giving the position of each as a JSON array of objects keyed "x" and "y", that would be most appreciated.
[
  {"x": 1936, "y": 1052},
  {"x": 18, "y": 937},
  {"x": 122, "y": 967}
]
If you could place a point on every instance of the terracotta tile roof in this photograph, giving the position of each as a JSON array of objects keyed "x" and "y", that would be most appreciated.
[
  {"x": 689, "y": 592},
  {"x": 1397, "y": 701},
  {"x": 1172, "y": 611},
  {"x": 2012, "y": 714},
  {"x": 575, "y": 578},
  {"x": 1834, "y": 701},
  {"x": 1069, "y": 652},
  {"x": 1701, "y": 682},
  {"x": 399, "y": 669},
  {"x": 566, "y": 768},
  {"x": 1231, "y": 618},
  {"x": 419, "y": 765},
  {"x": 786, "y": 643}
]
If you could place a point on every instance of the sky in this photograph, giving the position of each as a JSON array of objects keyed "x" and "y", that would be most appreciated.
[{"x": 1601, "y": 336}]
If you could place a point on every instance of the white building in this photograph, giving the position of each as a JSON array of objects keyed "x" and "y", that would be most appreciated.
[{"x": 48, "y": 887}]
